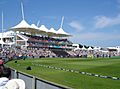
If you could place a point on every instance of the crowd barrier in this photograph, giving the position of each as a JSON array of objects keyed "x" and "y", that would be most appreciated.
[{"x": 32, "y": 82}]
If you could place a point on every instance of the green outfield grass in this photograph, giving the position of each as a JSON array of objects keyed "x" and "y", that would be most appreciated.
[{"x": 106, "y": 66}]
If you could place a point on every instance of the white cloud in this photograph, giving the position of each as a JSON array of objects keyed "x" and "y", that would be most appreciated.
[
  {"x": 76, "y": 25},
  {"x": 99, "y": 36},
  {"x": 94, "y": 37},
  {"x": 103, "y": 21}
]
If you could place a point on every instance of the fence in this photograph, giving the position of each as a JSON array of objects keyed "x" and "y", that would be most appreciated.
[{"x": 33, "y": 82}]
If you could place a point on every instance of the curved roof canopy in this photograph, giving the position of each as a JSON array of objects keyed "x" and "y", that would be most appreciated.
[
  {"x": 34, "y": 26},
  {"x": 36, "y": 29},
  {"x": 51, "y": 32},
  {"x": 43, "y": 28},
  {"x": 23, "y": 26},
  {"x": 61, "y": 32}
]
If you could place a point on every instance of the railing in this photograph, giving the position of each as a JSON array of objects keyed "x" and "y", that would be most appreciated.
[{"x": 32, "y": 82}]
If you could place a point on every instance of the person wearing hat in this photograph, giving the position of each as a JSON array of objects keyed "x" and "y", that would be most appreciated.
[
  {"x": 15, "y": 84},
  {"x": 5, "y": 74},
  {"x": 7, "y": 83}
]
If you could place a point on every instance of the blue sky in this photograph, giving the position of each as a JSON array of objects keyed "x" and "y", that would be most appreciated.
[{"x": 91, "y": 22}]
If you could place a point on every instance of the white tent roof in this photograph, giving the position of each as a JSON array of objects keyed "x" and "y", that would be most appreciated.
[
  {"x": 43, "y": 28},
  {"x": 34, "y": 26},
  {"x": 61, "y": 31},
  {"x": 52, "y": 30},
  {"x": 22, "y": 24}
]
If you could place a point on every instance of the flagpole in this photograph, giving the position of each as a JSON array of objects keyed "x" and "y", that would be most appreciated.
[
  {"x": 2, "y": 29},
  {"x": 38, "y": 23},
  {"x": 62, "y": 22},
  {"x": 23, "y": 16}
]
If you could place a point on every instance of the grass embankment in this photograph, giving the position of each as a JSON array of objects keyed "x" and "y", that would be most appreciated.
[{"x": 108, "y": 67}]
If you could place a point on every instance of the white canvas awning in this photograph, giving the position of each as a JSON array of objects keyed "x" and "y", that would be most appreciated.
[
  {"x": 37, "y": 31},
  {"x": 34, "y": 26},
  {"x": 43, "y": 28},
  {"x": 52, "y": 32},
  {"x": 62, "y": 33},
  {"x": 23, "y": 26}
]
